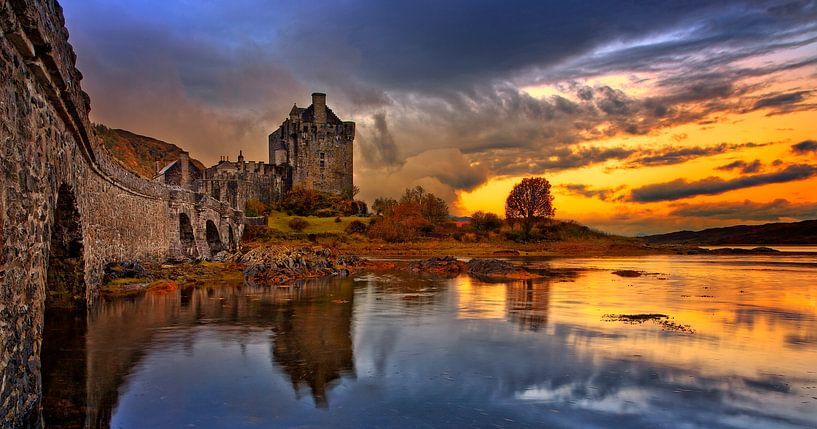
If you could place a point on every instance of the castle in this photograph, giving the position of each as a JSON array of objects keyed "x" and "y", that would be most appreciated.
[{"x": 311, "y": 149}]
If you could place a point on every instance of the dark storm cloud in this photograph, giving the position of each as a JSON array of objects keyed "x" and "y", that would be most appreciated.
[
  {"x": 671, "y": 155},
  {"x": 680, "y": 188},
  {"x": 604, "y": 194},
  {"x": 743, "y": 166},
  {"x": 804, "y": 147},
  {"x": 379, "y": 147},
  {"x": 748, "y": 210},
  {"x": 429, "y": 44},
  {"x": 780, "y": 100}
]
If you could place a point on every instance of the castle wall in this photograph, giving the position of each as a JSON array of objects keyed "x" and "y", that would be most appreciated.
[
  {"x": 237, "y": 182},
  {"x": 324, "y": 160},
  {"x": 47, "y": 145}
]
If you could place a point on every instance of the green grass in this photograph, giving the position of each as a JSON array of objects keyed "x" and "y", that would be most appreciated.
[{"x": 279, "y": 221}]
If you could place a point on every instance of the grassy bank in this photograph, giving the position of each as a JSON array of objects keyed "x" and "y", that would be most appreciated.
[
  {"x": 567, "y": 239},
  {"x": 279, "y": 221}
]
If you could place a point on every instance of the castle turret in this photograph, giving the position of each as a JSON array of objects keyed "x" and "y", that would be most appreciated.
[
  {"x": 295, "y": 113},
  {"x": 319, "y": 107}
]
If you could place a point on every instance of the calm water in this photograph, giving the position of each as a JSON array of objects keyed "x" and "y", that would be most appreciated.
[{"x": 399, "y": 350}]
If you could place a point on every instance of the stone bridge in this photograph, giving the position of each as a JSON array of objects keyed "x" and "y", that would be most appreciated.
[{"x": 67, "y": 207}]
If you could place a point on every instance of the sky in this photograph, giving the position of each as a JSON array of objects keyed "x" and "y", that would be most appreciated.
[{"x": 646, "y": 117}]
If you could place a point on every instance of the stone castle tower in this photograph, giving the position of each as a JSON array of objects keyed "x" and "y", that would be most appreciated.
[{"x": 316, "y": 146}]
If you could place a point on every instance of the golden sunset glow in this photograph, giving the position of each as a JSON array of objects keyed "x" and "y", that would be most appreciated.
[{"x": 774, "y": 135}]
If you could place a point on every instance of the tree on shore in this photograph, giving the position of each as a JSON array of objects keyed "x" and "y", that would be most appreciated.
[{"x": 529, "y": 202}]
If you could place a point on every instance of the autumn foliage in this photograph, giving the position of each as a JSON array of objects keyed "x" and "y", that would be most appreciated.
[{"x": 417, "y": 213}]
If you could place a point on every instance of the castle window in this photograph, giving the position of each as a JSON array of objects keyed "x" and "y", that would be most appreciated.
[
  {"x": 323, "y": 155},
  {"x": 323, "y": 164}
]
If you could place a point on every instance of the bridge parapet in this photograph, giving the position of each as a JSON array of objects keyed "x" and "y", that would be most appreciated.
[{"x": 66, "y": 206}]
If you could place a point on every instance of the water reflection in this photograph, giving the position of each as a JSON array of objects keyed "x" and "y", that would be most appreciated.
[
  {"x": 313, "y": 343},
  {"x": 394, "y": 349}
]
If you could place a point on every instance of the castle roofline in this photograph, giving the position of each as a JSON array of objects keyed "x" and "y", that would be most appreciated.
[
  {"x": 166, "y": 167},
  {"x": 308, "y": 115}
]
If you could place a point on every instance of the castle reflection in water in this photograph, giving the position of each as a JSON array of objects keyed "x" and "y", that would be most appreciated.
[{"x": 311, "y": 323}]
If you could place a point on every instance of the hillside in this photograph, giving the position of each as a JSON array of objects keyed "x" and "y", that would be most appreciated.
[
  {"x": 804, "y": 232},
  {"x": 139, "y": 153}
]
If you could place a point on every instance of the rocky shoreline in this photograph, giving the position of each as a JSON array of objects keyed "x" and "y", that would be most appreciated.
[{"x": 277, "y": 265}]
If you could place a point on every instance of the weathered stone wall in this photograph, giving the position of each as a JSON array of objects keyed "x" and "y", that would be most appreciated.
[
  {"x": 45, "y": 143},
  {"x": 324, "y": 160}
]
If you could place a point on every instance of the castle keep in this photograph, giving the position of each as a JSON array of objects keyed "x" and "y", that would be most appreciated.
[
  {"x": 317, "y": 146},
  {"x": 311, "y": 149}
]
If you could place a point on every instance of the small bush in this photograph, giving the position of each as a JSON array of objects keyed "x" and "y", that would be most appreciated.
[
  {"x": 255, "y": 207},
  {"x": 391, "y": 231},
  {"x": 338, "y": 220},
  {"x": 356, "y": 227},
  {"x": 301, "y": 201},
  {"x": 514, "y": 235},
  {"x": 297, "y": 224},
  {"x": 258, "y": 232},
  {"x": 485, "y": 223}
]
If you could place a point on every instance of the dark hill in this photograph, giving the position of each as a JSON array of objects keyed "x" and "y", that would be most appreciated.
[
  {"x": 804, "y": 232},
  {"x": 139, "y": 153}
]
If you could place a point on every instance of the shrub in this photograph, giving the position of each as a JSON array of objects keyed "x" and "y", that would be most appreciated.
[
  {"x": 297, "y": 224},
  {"x": 485, "y": 223},
  {"x": 359, "y": 208},
  {"x": 338, "y": 220},
  {"x": 258, "y": 232},
  {"x": 301, "y": 201},
  {"x": 307, "y": 202},
  {"x": 255, "y": 207},
  {"x": 514, "y": 235},
  {"x": 356, "y": 227},
  {"x": 391, "y": 231}
]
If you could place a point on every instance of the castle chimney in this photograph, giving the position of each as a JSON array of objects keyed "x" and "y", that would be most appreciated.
[
  {"x": 184, "y": 164},
  {"x": 319, "y": 106},
  {"x": 240, "y": 156}
]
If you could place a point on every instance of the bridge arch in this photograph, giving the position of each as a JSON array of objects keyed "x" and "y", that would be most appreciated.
[
  {"x": 65, "y": 278},
  {"x": 187, "y": 237},
  {"x": 213, "y": 238}
]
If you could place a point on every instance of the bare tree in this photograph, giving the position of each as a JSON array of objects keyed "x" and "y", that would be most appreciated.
[{"x": 529, "y": 201}]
